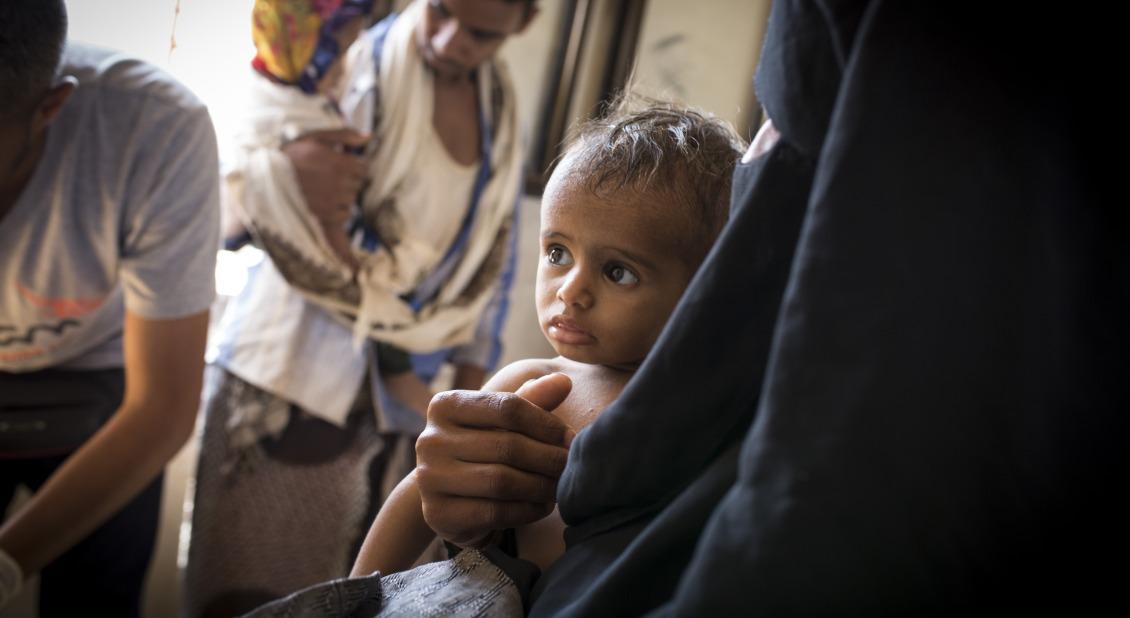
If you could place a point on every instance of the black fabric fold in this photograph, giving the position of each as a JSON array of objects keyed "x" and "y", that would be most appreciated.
[{"x": 930, "y": 399}]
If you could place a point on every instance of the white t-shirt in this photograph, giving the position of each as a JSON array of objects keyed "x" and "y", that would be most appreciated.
[{"x": 121, "y": 213}]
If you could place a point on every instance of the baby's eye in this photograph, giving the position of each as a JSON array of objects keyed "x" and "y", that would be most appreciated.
[
  {"x": 620, "y": 275},
  {"x": 558, "y": 256}
]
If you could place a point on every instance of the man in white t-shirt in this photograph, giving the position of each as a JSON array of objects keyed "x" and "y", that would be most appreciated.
[{"x": 108, "y": 230}]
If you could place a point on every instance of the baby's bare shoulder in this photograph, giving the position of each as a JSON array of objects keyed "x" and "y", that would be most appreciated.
[{"x": 511, "y": 377}]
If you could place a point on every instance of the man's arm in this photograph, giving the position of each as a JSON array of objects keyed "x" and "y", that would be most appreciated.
[
  {"x": 488, "y": 460},
  {"x": 164, "y": 361},
  {"x": 469, "y": 377},
  {"x": 409, "y": 389},
  {"x": 330, "y": 179}
]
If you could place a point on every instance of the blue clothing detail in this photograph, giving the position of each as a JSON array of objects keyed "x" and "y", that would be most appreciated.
[
  {"x": 432, "y": 284},
  {"x": 369, "y": 239},
  {"x": 495, "y": 314},
  {"x": 486, "y": 349},
  {"x": 327, "y": 49}
]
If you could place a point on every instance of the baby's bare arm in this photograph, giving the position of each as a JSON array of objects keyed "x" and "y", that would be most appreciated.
[
  {"x": 511, "y": 377},
  {"x": 541, "y": 542},
  {"x": 399, "y": 534}
]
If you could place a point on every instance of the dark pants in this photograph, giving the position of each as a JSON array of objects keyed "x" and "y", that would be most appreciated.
[{"x": 103, "y": 574}]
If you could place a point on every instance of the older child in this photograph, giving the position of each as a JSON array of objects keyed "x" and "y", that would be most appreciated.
[{"x": 627, "y": 217}]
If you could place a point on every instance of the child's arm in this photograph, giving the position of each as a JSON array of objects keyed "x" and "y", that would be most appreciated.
[
  {"x": 398, "y": 535},
  {"x": 407, "y": 388}
]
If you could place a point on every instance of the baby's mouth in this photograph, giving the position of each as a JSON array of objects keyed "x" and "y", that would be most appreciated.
[{"x": 565, "y": 330}]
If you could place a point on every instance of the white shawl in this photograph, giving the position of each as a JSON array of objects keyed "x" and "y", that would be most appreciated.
[{"x": 275, "y": 211}]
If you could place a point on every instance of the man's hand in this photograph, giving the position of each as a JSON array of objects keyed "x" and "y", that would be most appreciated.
[
  {"x": 329, "y": 176},
  {"x": 488, "y": 461},
  {"x": 164, "y": 361}
]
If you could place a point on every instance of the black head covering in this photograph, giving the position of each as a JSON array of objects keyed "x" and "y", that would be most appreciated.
[{"x": 898, "y": 383}]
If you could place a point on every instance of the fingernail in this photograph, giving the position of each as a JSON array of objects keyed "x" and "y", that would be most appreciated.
[{"x": 569, "y": 436}]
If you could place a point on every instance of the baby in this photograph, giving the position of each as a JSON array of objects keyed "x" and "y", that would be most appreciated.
[
  {"x": 298, "y": 66},
  {"x": 627, "y": 217}
]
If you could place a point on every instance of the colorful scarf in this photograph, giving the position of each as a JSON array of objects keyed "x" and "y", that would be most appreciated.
[{"x": 294, "y": 39}]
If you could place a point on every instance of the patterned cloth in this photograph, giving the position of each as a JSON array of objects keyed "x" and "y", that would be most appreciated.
[
  {"x": 467, "y": 585},
  {"x": 262, "y": 505},
  {"x": 294, "y": 39}
]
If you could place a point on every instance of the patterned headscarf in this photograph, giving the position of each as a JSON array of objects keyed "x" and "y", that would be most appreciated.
[{"x": 294, "y": 39}]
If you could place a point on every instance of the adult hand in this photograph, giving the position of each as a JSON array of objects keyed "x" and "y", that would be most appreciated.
[
  {"x": 329, "y": 176},
  {"x": 488, "y": 461}
]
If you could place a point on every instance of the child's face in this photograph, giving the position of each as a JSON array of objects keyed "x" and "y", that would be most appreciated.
[
  {"x": 331, "y": 81},
  {"x": 610, "y": 272}
]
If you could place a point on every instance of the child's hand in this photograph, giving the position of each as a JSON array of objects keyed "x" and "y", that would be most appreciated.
[{"x": 488, "y": 461}]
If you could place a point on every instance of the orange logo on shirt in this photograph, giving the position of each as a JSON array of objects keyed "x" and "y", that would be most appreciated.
[
  {"x": 61, "y": 308},
  {"x": 22, "y": 354}
]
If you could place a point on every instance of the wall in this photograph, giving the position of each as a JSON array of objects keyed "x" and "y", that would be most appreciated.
[{"x": 704, "y": 54}]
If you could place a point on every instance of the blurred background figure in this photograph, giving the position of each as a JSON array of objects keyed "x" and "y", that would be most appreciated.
[
  {"x": 323, "y": 364},
  {"x": 108, "y": 236}
]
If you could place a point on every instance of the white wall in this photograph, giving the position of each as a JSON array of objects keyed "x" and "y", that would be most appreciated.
[
  {"x": 212, "y": 53},
  {"x": 703, "y": 54},
  {"x": 528, "y": 57}
]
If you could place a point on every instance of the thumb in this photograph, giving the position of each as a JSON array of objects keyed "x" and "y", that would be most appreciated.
[
  {"x": 345, "y": 137},
  {"x": 546, "y": 392}
]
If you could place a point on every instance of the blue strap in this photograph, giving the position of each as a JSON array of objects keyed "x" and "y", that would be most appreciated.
[
  {"x": 378, "y": 33},
  {"x": 427, "y": 290},
  {"x": 327, "y": 50},
  {"x": 429, "y": 287}
]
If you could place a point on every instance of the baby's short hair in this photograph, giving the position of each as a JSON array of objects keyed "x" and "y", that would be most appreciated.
[{"x": 643, "y": 145}]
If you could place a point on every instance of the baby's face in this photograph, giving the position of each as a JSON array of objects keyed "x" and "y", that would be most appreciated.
[
  {"x": 330, "y": 83},
  {"x": 610, "y": 272}
]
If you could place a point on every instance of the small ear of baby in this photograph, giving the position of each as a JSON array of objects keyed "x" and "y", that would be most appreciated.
[{"x": 546, "y": 392}]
